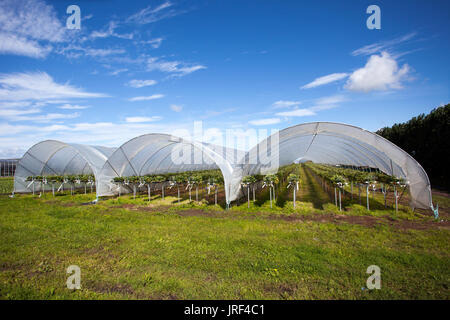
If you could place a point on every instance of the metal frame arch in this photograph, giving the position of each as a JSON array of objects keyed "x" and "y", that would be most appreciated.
[
  {"x": 55, "y": 147},
  {"x": 149, "y": 139},
  {"x": 388, "y": 157}
]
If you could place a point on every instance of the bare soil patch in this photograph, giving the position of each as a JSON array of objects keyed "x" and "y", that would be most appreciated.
[{"x": 366, "y": 221}]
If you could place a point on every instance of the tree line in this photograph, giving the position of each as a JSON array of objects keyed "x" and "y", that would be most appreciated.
[{"x": 427, "y": 139}]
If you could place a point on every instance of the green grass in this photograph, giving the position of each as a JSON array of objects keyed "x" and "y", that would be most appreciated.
[
  {"x": 441, "y": 200},
  {"x": 128, "y": 252},
  {"x": 6, "y": 184},
  {"x": 135, "y": 249}
]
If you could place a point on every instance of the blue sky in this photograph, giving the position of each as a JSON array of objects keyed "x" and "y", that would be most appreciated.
[{"x": 136, "y": 67}]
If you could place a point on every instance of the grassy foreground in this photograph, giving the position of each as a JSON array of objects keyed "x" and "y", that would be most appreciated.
[
  {"x": 6, "y": 185},
  {"x": 128, "y": 251}
]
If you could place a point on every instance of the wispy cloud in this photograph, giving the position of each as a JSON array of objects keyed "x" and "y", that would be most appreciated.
[
  {"x": 154, "y": 43},
  {"x": 152, "y": 14},
  {"x": 49, "y": 117},
  {"x": 296, "y": 113},
  {"x": 72, "y": 107},
  {"x": 176, "y": 68},
  {"x": 383, "y": 45},
  {"x": 27, "y": 27},
  {"x": 145, "y": 98},
  {"x": 31, "y": 18},
  {"x": 23, "y": 97},
  {"x": 141, "y": 83},
  {"x": 176, "y": 108},
  {"x": 319, "y": 104},
  {"x": 13, "y": 113},
  {"x": 325, "y": 80},
  {"x": 327, "y": 102},
  {"x": 12, "y": 44},
  {"x": 38, "y": 86},
  {"x": 142, "y": 119},
  {"x": 32, "y": 114},
  {"x": 264, "y": 122},
  {"x": 285, "y": 104},
  {"x": 75, "y": 51},
  {"x": 118, "y": 71},
  {"x": 381, "y": 72},
  {"x": 109, "y": 31}
]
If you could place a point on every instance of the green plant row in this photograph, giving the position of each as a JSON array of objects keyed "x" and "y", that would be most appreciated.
[
  {"x": 340, "y": 176},
  {"x": 83, "y": 178},
  {"x": 190, "y": 177}
]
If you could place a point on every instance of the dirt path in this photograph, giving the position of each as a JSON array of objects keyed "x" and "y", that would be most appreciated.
[{"x": 366, "y": 221}]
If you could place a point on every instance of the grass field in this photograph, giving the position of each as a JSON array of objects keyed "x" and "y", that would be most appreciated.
[
  {"x": 131, "y": 249},
  {"x": 6, "y": 185}
]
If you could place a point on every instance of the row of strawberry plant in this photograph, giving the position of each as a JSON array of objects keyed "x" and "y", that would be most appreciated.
[
  {"x": 338, "y": 178},
  {"x": 273, "y": 182},
  {"x": 53, "y": 180},
  {"x": 210, "y": 179}
]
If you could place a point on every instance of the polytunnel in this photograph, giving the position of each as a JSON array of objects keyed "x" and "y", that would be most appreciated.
[
  {"x": 336, "y": 144},
  {"x": 51, "y": 157},
  {"x": 319, "y": 142},
  {"x": 162, "y": 153}
]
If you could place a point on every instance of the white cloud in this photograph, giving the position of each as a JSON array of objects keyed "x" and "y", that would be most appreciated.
[
  {"x": 176, "y": 68},
  {"x": 31, "y": 115},
  {"x": 285, "y": 104},
  {"x": 12, "y": 44},
  {"x": 176, "y": 108},
  {"x": 14, "y": 104},
  {"x": 26, "y": 23},
  {"x": 296, "y": 113},
  {"x": 149, "y": 15},
  {"x": 154, "y": 43},
  {"x": 109, "y": 32},
  {"x": 87, "y": 17},
  {"x": 325, "y": 80},
  {"x": 102, "y": 52},
  {"x": 382, "y": 45},
  {"x": 331, "y": 99},
  {"x": 145, "y": 98},
  {"x": 141, "y": 83},
  {"x": 381, "y": 72},
  {"x": 72, "y": 107},
  {"x": 142, "y": 119},
  {"x": 327, "y": 102},
  {"x": 13, "y": 113},
  {"x": 38, "y": 86},
  {"x": 264, "y": 122},
  {"x": 48, "y": 117},
  {"x": 319, "y": 104},
  {"x": 22, "y": 96},
  {"x": 31, "y": 18},
  {"x": 118, "y": 71},
  {"x": 74, "y": 51}
]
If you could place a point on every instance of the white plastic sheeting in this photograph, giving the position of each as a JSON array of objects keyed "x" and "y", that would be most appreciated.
[
  {"x": 53, "y": 157},
  {"x": 336, "y": 143},
  {"x": 162, "y": 153},
  {"x": 320, "y": 142}
]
